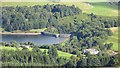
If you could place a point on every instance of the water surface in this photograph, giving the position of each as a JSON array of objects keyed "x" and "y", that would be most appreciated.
[{"x": 36, "y": 39}]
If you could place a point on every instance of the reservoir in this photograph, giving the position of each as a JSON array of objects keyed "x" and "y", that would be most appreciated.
[{"x": 36, "y": 39}]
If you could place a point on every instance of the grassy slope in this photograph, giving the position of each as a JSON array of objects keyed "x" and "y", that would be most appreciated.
[
  {"x": 97, "y": 8},
  {"x": 104, "y": 9},
  {"x": 70, "y": 19},
  {"x": 29, "y": 31},
  {"x": 114, "y": 39},
  {"x": 60, "y": 53},
  {"x": 37, "y": 30}
]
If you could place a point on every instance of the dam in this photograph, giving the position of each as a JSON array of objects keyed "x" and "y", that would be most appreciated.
[{"x": 56, "y": 35}]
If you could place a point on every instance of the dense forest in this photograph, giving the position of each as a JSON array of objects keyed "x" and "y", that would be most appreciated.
[
  {"x": 90, "y": 31},
  {"x": 26, "y": 18},
  {"x": 37, "y": 17}
]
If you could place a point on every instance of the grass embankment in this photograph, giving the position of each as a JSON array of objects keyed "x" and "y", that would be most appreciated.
[
  {"x": 60, "y": 53},
  {"x": 19, "y": 32},
  {"x": 37, "y": 30},
  {"x": 104, "y": 9},
  {"x": 29, "y": 31},
  {"x": 114, "y": 38}
]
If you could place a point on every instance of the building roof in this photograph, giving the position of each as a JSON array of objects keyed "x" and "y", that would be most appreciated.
[{"x": 91, "y": 50}]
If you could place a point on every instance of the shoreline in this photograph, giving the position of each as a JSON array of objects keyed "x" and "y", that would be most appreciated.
[
  {"x": 19, "y": 33},
  {"x": 40, "y": 33}
]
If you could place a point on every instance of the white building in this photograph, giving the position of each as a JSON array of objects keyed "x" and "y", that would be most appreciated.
[
  {"x": 91, "y": 51},
  {"x": 25, "y": 46}
]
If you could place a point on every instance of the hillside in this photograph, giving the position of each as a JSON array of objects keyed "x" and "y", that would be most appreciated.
[
  {"x": 93, "y": 29},
  {"x": 114, "y": 38},
  {"x": 100, "y": 8}
]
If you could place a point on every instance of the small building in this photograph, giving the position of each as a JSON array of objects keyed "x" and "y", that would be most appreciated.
[{"x": 91, "y": 51}]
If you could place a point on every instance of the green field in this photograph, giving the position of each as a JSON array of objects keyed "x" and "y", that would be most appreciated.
[
  {"x": 29, "y": 31},
  {"x": 60, "y": 53},
  {"x": 114, "y": 39},
  {"x": 37, "y": 30},
  {"x": 104, "y": 9}
]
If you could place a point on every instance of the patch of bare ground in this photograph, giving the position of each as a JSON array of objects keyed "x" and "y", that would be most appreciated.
[
  {"x": 116, "y": 11},
  {"x": 114, "y": 29}
]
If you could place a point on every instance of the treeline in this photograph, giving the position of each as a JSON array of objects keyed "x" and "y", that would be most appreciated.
[
  {"x": 77, "y": 23},
  {"x": 47, "y": 16},
  {"x": 77, "y": 49},
  {"x": 34, "y": 56},
  {"x": 50, "y": 57},
  {"x": 38, "y": 58},
  {"x": 35, "y": 17}
]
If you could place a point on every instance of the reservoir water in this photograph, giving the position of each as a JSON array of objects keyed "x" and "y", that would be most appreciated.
[{"x": 36, "y": 39}]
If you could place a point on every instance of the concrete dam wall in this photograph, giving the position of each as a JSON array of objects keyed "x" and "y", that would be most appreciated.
[{"x": 56, "y": 35}]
